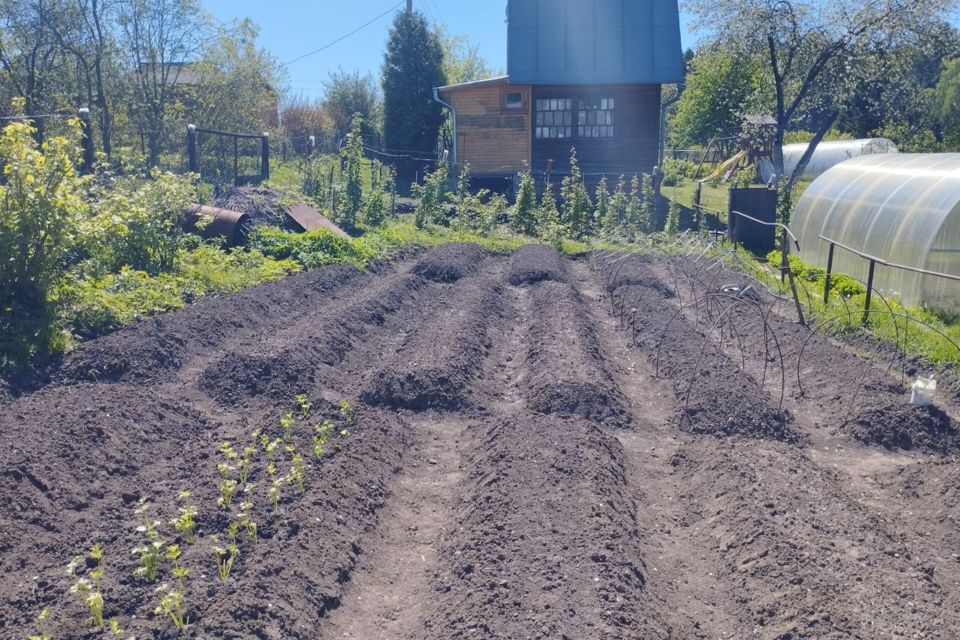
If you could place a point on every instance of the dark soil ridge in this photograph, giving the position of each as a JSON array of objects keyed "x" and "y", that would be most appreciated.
[
  {"x": 844, "y": 389},
  {"x": 437, "y": 361},
  {"x": 903, "y": 427},
  {"x": 150, "y": 349},
  {"x": 535, "y": 263},
  {"x": 566, "y": 372},
  {"x": 450, "y": 262},
  {"x": 547, "y": 543},
  {"x": 808, "y": 561},
  {"x": 721, "y": 399},
  {"x": 289, "y": 363},
  {"x": 140, "y": 442}
]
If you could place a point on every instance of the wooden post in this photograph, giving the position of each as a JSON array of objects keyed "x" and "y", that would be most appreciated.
[
  {"x": 86, "y": 141},
  {"x": 193, "y": 161},
  {"x": 265, "y": 156},
  {"x": 312, "y": 145},
  {"x": 236, "y": 162},
  {"x": 409, "y": 6}
]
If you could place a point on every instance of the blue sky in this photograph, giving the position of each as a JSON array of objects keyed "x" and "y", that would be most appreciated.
[{"x": 291, "y": 28}]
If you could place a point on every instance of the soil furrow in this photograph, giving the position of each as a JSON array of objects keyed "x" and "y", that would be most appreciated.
[
  {"x": 813, "y": 560},
  {"x": 388, "y": 596},
  {"x": 684, "y": 576}
]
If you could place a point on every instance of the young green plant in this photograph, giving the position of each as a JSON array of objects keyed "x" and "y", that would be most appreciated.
[
  {"x": 89, "y": 588},
  {"x": 149, "y": 552},
  {"x": 186, "y": 523},
  {"x": 321, "y": 436}
]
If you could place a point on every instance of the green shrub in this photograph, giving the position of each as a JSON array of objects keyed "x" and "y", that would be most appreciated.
[
  {"x": 137, "y": 221},
  {"x": 431, "y": 197},
  {"x": 94, "y": 305},
  {"x": 42, "y": 214},
  {"x": 840, "y": 284},
  {"x": 312, "y": 249},
  {"x": 524, "y": 215},
  {"x": 576, "y": 207},
  {"x": 675, "y": 171}
]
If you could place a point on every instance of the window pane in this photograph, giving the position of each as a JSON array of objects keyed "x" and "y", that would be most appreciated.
[
  {"x": 568, "y": 118},
  {"x": 611, "y": 132},
  {"x": 569, "y": 132},
  {"x": 610, "y": 103}
]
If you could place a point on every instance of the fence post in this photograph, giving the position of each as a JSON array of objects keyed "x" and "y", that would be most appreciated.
[
  {"x": 265, "y": 156},
  {"x": 86, "y": 140},
  {"x": 785, "y": 251},
  {"x": 193, "y": 163},
  {"x": 866, "y": 306},
  {"x": 313, "y": 145},
  {"x": 826, "y": 286}
]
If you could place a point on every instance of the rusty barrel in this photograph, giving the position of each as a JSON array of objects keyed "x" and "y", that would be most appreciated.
[{"x": 224, "y": 223}]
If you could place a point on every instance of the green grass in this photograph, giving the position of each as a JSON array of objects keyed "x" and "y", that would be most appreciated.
[
  {"x": 934, "y": 337},
  {"x": 403, "y": 232},
  {"x": 713, "y": 196}
]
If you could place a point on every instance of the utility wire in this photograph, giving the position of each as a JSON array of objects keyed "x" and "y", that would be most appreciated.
[{"x": 342, "y": 38}]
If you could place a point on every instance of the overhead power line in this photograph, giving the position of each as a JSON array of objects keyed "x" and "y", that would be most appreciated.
[{"x": 344, "y": 37}]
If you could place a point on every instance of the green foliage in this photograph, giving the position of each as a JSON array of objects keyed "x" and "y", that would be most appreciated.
[
  {"x": 313, "y": 249},
  {"x": 524, "y": 218},
  {"x": 412, "y": 67},
  {"x": 42, "y": 217},
  {"x": 948, "y": 102},
  {"x": 92, "y": 305},
  {"x": 602, "y": 211},
  {"x": 352, "y": 158},
  {"x": 676, "y": 171},
  {"x": 719, "y": 87},
  {"x": 619, "y": 204},
  {"x": 840, "y": 284},
  {"x": 136, "y": 222},
  {"x": 431, "y": 197},
  {"x": 576, "y": 206},
  {"x": 673, "y": 219},
  {"x": 347, "y": 95}
]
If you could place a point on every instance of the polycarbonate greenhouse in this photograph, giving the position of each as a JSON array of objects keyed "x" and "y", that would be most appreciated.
[
  {"x": 827, "y": 155},
  {"x": 903, "y": 208}
]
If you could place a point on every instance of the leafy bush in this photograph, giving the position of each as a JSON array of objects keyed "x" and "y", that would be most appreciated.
[
  {"x": 524, "y": 218},
  {"x": 675, "y": 171},
  {"x": 840, "y": 284},
  {"x": 313, "y": 249},
  {"x": 94, "y": 305},
  {"x": 41, "y": 216},
  {"x": 431, "y": 196},
  {"x": 137, "y": 221},
  {"x": 576, "y": 206}
]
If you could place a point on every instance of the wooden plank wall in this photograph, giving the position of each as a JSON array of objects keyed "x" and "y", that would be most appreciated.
[
  {"x": 634, "y": 147},
  {"x": 491, "y": 139}
]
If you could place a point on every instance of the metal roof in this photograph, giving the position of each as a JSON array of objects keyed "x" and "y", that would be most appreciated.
[
  {"x": 594, "y": 42},
  {"x": 474, "y": 83}
]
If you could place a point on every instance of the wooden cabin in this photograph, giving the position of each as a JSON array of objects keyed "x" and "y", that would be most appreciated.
[{"x": 583, "y": 74}]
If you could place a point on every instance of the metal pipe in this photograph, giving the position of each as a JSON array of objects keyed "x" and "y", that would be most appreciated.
[
  {"x": 826, "y": 286},
  {"x": 453, "y": 111}
]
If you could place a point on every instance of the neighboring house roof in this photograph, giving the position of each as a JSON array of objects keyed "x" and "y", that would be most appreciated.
[
  {"x": 475, "y": 83},
  {"x": 594, "y": 42}
]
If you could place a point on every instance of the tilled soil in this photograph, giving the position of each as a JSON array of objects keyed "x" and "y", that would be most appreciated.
[{"x": 532, "y": 448}]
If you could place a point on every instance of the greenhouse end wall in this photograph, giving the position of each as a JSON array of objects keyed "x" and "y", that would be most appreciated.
[
  {"x": 827, "y": 155},
  {"x": 902, "y": 208}
]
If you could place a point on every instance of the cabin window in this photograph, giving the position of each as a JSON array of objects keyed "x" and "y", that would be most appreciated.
[
  {"x": 513, "y": 100},
  {"x": 595, "y": 118},
  {"x": 554, "y": 119}
]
